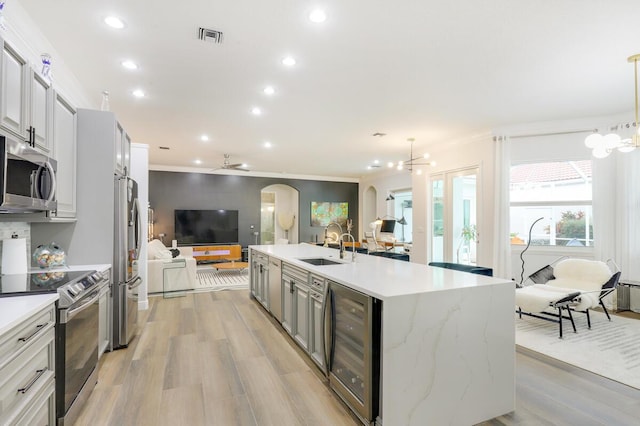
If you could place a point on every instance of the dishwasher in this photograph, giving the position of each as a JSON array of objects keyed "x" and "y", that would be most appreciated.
[{"x": 275, "y": 288}]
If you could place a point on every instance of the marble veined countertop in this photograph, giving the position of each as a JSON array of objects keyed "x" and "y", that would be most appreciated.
[{"x": 378, "y": 276}]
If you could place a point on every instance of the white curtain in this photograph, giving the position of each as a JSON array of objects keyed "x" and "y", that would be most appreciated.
[
  {"x": 616, "y": 214},
  {"x": 502, "y": 173}
]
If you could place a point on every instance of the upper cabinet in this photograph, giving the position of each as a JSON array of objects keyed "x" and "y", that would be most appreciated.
[
  {"x": 26, "y": 108},
  {"x": 13, "y": 109},
  {"x": 101, "y": 136},
  {"x": 122, "y": 150},
  {"x": 41, "y": 109},
  {"x": 64, "y": 132}
]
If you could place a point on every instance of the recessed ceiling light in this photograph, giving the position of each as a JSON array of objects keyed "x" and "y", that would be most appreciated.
[
  {"x": 267, "y": 144},
  {"x": 114, "y": 22},
  {"x": 256, "y": 111},
  {"x": 269, "y": 90},
  {"x": 197, "y": 161},
  {"x": 138, "y": 93},
  {"x": 288, "y": 61},
  {"x": 130, "y": 65},
  {"x": 318, "y": 16},
  {"x": 204, "y": 138}
]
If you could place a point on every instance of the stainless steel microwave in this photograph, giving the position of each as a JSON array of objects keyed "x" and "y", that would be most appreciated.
[{"x": 27, "y": 178}]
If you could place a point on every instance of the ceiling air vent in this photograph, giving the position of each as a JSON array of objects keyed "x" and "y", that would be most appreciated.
[{"x": 212, "y": 36}]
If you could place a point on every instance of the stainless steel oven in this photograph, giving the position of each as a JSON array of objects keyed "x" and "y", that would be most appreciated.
[{"x": 77, "y": 345}]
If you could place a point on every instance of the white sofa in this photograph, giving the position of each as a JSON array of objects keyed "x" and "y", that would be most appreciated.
[{"x": 181, "y": 278}]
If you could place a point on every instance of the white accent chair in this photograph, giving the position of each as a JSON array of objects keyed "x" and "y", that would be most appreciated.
[
  {"x": 572, "y": 284},
  {"x": 159, "y": 255}
]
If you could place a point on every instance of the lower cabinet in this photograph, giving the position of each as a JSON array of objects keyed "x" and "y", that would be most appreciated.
[
  {"x": 260, "y": 278},
  {"x": 295, "y": 303},
  {"x": 316, "y": 329},
  {"x": 27, "y": 371},
  {"x": 301, "y": 314},
  {"x": 302, "y": 306}
]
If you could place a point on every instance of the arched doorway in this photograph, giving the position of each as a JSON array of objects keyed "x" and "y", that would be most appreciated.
[
  {"x": 369, "y": 207},
  {"x": 279, "y": 213}
]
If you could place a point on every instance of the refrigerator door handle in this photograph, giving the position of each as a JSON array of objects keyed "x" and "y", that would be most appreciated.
[
  {"x": 138, "y": 225},
  {"x": 136, "y": 283}
]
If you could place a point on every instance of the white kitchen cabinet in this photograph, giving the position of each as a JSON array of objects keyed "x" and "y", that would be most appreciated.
[
  {"x": 104, "y": 130},
  {"x": 64, "y": 131},
  {"x": 27, "y": 370},
  {"x": 26, "y": 108},
  {"x": 14, "y": 95},
  {"x": 260, "y": 278},
  {"x": 295, "y": 303},
  {"x": 316, "y": 321},
  {"x": 122, "y": 149},
  {"x": 301, "y": 314},
  {"x": 41, "y": 112}
]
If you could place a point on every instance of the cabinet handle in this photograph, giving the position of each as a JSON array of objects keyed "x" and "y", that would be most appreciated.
[
  {"x": 292, "y": 286},
  {"x": 33, "y": 137},
  {"x": 27, "y": 338},
  {"x": 35, "y": 378}
]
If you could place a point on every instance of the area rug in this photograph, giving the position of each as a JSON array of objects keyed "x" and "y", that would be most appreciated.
[
  {"x": 610, "y": 348},
  {"x": 211, "y": 280}
]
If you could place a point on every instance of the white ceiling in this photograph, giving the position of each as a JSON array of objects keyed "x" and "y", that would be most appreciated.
[{"x": 435, "y": 71}]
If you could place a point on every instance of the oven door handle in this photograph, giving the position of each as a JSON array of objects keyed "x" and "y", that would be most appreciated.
[{"x": 73, "y": 312}]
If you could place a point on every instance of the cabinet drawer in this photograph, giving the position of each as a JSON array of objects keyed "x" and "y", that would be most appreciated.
[
  {"x": 42, "y": 411},
  {"x": 21, "y": 378},
  {"x": 24, "y": 334},
  {"x": 299, "y": 275}
]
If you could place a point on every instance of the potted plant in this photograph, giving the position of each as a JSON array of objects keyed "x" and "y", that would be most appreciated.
[{"x": 467, "y": 235}]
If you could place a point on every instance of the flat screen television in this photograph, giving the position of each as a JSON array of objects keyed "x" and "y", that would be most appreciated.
[
  {"x": 388, "y": 226},
  {"x": 206, "y": 227}
]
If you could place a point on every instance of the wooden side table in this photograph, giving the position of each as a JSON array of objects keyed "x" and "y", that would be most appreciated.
[{"x": 169, "y": 268}]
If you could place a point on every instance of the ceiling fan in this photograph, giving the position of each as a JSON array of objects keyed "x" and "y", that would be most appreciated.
[{"x": 226, "y": 165}]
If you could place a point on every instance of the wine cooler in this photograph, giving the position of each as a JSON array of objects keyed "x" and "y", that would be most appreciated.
[{"x": 352, "y": 348}]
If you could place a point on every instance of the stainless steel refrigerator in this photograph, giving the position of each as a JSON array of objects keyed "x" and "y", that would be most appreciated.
[{"x": 126, "y": 248}]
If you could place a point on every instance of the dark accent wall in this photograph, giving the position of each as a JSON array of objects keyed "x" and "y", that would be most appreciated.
[{"x": 169, "y": 191}]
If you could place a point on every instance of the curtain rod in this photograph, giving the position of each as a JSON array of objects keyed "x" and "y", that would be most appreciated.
[{"x": 533, "y": 135}]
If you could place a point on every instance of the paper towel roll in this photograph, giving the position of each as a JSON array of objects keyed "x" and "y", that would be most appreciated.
[{"x": 14, "y": 256}]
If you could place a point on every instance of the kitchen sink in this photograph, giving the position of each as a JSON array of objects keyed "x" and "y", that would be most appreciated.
[{"x": 320, "y": 261}]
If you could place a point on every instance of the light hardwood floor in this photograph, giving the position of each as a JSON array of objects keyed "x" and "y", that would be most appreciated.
[{"x": 218, "y": 359}]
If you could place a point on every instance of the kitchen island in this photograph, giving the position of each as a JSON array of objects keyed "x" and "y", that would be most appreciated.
[{"x": 447, "y": 349}]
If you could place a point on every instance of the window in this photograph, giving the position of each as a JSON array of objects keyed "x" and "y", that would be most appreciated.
[
  {"x": 403, "y": 209},
  {"x": 556, "y": 196}
]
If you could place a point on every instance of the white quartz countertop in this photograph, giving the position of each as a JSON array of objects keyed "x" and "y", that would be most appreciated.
[
  {"x": 378, "y": 276},
  {"x": 14, "y": 310}
]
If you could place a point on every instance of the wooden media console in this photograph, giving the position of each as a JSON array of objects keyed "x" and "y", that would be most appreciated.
[{"x": 222, "y": 252}]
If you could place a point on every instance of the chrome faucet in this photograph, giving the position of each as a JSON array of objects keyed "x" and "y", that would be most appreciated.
[
  {"x": 343, "y": 248},
  {"x": 326, "y": 232}
]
